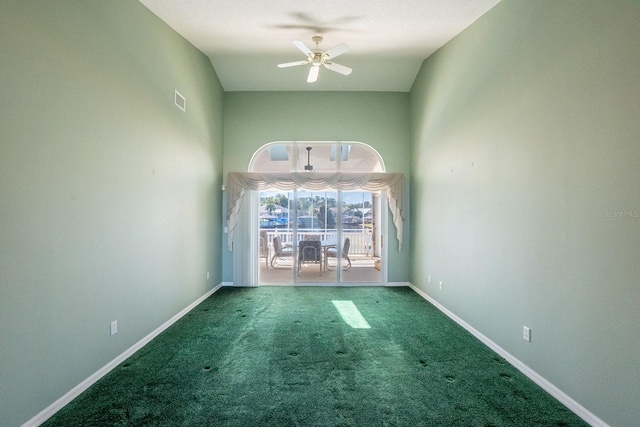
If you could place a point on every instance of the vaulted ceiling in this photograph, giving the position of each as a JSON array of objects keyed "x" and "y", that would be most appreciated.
[{"x": 389, "y": 40}]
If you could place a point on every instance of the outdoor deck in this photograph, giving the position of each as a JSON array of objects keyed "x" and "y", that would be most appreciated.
[{"x": 362, "y": 271}]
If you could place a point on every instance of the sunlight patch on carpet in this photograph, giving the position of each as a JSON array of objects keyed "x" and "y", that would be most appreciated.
[{"x": 351, "y": 315}]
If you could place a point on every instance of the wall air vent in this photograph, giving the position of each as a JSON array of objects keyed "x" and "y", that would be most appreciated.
[{"x": 180, "y": 101}]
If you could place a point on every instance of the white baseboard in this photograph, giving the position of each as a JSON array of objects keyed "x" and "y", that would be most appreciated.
[
  {"x": 399, "y": 284},
  {"x": 561, "y": 396},
  {"x": 48, "y": 412},
  {"x": 342, "y": 284}
]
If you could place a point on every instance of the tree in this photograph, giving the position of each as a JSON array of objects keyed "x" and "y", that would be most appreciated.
[
  {"x": 282, "y": 200},
  {"x": 305, "y": 205},
  {"x": 326, "y": 218}
]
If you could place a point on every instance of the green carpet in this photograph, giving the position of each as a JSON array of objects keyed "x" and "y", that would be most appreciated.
[{"x": 285, "y": 356}]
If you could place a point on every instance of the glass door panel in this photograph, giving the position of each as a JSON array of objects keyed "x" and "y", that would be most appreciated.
[
  {"x": 316, "y": 235},
  {"x": 361, "y": 260},
  {"x": 275, "y": 241}
]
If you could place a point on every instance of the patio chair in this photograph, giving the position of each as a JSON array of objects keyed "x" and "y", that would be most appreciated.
[
  {"x": 263, "y": 247},
  {"x": 280, "y": 252},
  {"x": 309, "y": 251},
  {"x": 333, "y": 252}
]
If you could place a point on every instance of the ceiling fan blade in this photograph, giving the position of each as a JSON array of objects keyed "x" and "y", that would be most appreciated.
[
  {"x": 292, "y": 64},
  {"x": 338, "y": 68},
  {"x": 303, "y": 47},
  {"x": 313, "y": 74},
  {"x": 337, "y": 50}
]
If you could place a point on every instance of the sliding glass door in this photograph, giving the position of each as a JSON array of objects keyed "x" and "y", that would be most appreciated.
[
  {"x": 362, "y": 255},
  {"x": 319, "y": 237},
  {"x": 316, "y": 236}
]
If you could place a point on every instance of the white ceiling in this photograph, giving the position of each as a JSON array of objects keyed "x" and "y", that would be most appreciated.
[{"x": 246, "y": 39}]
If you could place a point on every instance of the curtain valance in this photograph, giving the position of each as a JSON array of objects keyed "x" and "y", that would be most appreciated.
[{"x": 239, "y": 182}]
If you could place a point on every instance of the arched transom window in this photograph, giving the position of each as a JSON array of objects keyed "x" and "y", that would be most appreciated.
[{"x": 330, "y": 156}]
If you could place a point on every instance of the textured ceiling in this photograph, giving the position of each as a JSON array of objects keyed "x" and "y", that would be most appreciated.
[{"x": 246, "y": 39}]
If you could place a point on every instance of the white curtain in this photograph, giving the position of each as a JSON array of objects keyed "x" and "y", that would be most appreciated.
[
  {"x": 246, "y": 246},
  {"x": 239, "y": 182}
]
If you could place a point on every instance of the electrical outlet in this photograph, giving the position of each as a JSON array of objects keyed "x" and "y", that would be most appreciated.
[
  {"x": 207, "y": 275},
  {"x": 114, "y": 327},
  {"x": 526, "y": 333},
  {"x": 429, "y": 279},
  {"x": 440, "y": 284}
]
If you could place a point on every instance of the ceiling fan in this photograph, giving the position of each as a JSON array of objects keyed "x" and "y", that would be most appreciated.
[{"x": 317, "y": 57}]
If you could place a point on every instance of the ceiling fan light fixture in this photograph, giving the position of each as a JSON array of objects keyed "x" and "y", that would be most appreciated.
[{"x": 313, "y": 74}]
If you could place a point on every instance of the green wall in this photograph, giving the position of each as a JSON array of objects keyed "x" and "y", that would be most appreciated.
[
  {"x": 380, "y": 119},
  {"x": 523, "y": 150},
  {"x": 525, "y": 195},
  {"x": 110, "y": 206}
]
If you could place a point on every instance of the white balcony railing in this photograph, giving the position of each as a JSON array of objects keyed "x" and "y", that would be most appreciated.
[{"x": 361, "y": 240}]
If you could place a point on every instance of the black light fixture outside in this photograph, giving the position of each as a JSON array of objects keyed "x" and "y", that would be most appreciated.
[{"x": 308, "y": 167}]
